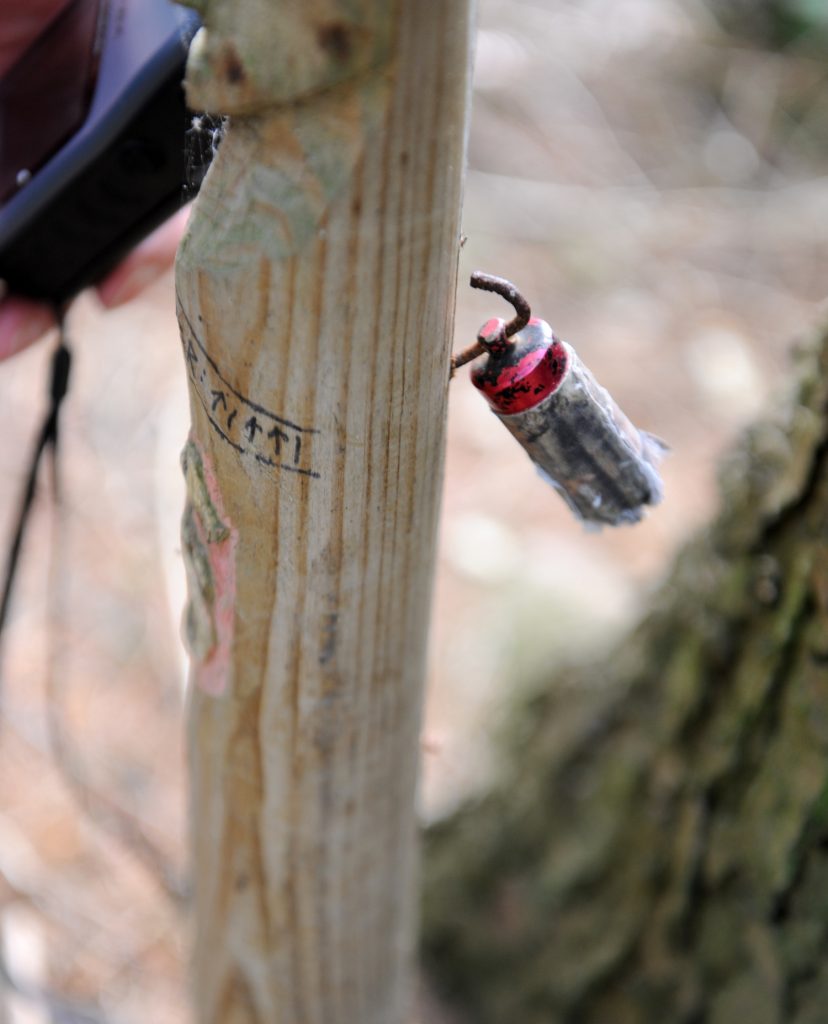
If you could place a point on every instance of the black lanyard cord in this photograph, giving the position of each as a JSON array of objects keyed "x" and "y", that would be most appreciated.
[
  {"x": 102, "y": 811},
  {"x": 47, "y": 441}
]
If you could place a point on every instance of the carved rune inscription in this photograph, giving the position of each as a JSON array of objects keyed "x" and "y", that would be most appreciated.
[{"x": 247, "y": 426}]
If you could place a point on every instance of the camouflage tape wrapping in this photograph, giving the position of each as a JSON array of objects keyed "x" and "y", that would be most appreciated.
[{"x": 603, "y": 466}]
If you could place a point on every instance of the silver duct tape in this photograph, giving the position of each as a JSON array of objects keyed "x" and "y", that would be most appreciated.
[{"x": 603, "y": 466}]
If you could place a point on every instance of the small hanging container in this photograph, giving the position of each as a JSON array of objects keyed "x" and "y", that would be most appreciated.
[{"x": 580, "y": 441}]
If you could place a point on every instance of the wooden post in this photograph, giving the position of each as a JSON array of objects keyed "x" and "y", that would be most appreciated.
[{"x": 315, "y": 295}]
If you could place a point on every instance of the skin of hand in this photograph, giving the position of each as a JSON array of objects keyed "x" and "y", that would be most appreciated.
[{"x": 23, "y": 321}]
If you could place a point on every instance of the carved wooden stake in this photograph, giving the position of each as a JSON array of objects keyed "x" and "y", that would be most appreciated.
[{"x": 315, "y": 290}]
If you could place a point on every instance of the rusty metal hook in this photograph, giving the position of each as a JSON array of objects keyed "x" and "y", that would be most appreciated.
[{"x": 500, "y": 286}]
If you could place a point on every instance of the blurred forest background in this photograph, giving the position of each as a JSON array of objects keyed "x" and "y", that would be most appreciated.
[{"x": 653, "y": 175}]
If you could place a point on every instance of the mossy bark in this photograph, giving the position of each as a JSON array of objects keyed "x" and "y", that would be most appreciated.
[{"x": 657, "y": 846}]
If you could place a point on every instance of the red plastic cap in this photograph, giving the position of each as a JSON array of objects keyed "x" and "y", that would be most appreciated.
[{"x": 520, "y": 375}]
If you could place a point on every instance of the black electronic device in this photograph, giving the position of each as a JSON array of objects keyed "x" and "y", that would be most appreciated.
[{"x": 92, "y": 142}]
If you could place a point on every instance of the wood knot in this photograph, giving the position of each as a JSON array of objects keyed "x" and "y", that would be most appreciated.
[
  {"x": 232, "y": 67},
  {"x": 335, "y": 39}
]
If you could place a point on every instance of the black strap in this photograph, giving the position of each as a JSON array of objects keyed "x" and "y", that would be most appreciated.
[{"x": 47, "y": 441}]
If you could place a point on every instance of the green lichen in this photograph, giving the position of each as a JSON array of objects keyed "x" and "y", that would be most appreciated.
[{"x": 201, "y": 526}]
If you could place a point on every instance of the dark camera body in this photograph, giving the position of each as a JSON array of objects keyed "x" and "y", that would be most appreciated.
[{"x": 92, "y": 142}]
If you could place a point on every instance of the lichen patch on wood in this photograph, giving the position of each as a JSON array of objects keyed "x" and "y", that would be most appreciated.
[{"x": 208, "y": 543}]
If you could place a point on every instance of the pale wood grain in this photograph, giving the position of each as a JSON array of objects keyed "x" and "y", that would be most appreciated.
[{"x": 317, "y": 282}]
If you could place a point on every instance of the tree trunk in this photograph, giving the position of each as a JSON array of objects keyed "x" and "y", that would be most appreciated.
[
  {"x": 657, "y": 849},
  {"x": 315, "y": 289}
]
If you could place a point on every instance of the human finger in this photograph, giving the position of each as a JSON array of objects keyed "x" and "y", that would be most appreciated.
[
  {"x": 145, "y": 263},
  {"x": 22, "y": 322}
]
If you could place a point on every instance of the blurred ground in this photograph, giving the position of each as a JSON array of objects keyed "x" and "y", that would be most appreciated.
[{"x": 659, "y": 192}]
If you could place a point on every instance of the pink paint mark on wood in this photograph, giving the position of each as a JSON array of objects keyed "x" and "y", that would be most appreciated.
[{"x": 219, "y": 538}]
